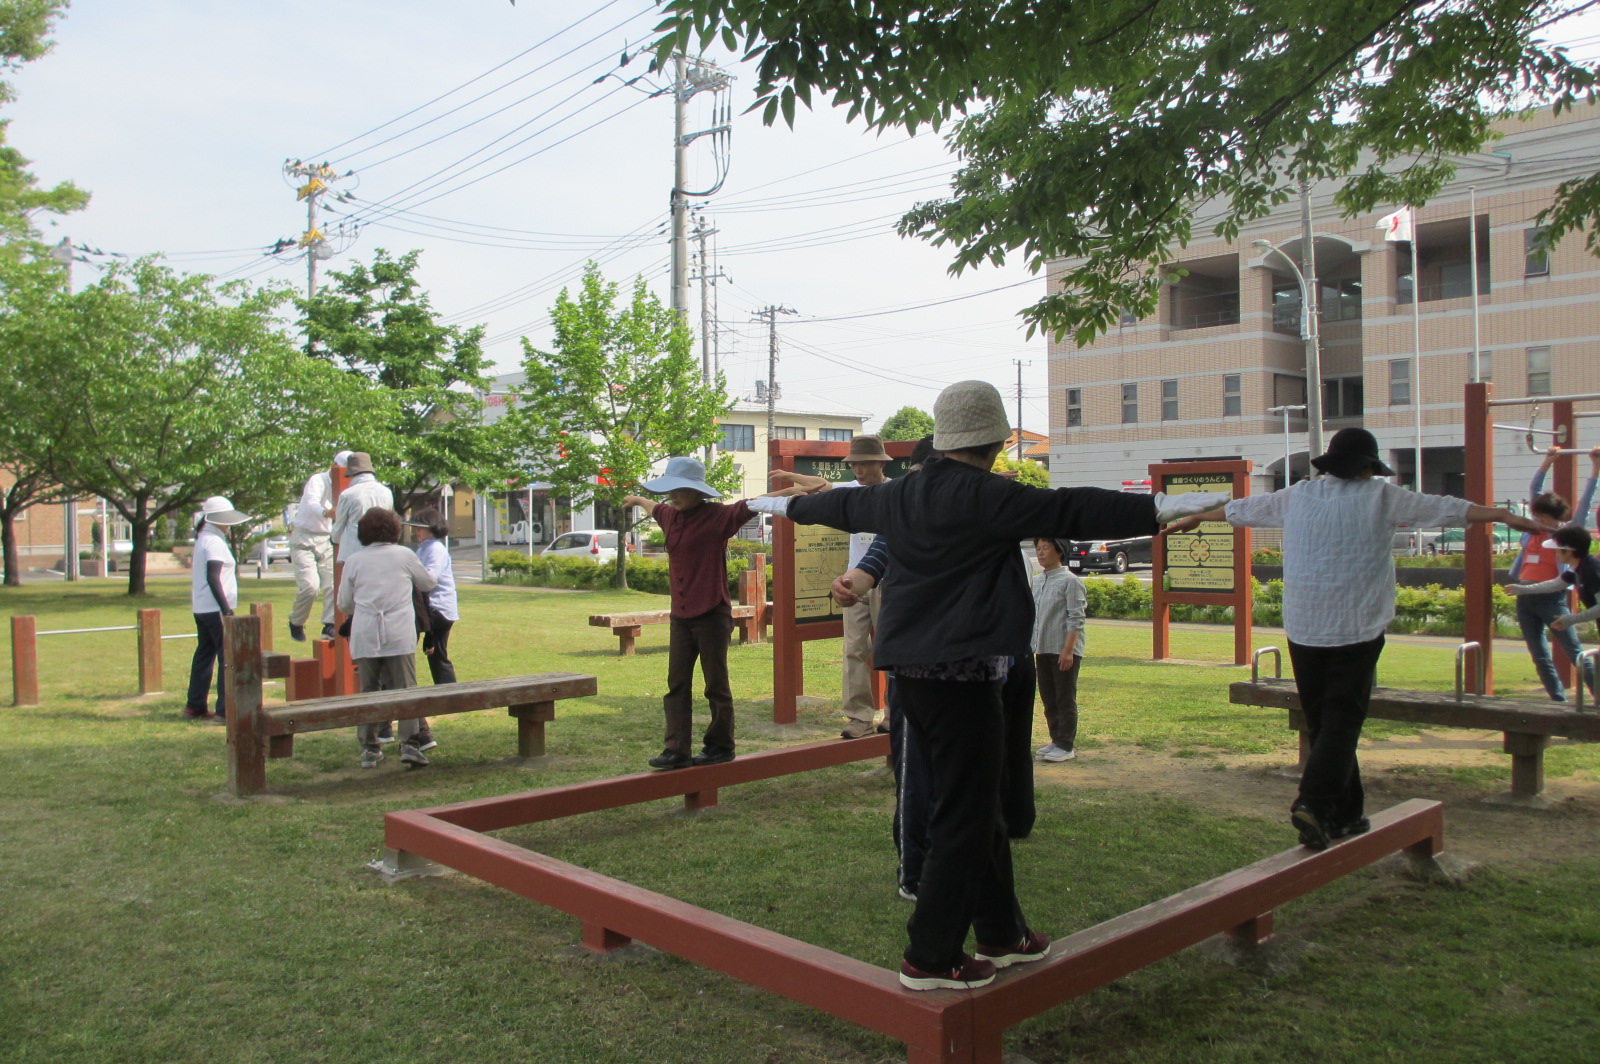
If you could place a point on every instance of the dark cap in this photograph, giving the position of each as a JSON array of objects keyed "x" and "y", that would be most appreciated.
[{"x": 1350, "y": 453}]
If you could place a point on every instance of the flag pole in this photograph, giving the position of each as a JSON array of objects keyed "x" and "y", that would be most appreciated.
[{"x": 1416, "y": 354}]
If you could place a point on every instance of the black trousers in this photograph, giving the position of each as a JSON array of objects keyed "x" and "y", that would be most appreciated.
[
  {"x": 913, "y": 793},
  {"x": 440, "y": 667},
  {"x": 208, "y": 658},
  {"x": 1058, "y": 690},
  {"x": 966, "y": 879},
  {"x": 1016, "y": 782},
  {"x": 704, "y": 638},
  {"x": 1335, "y": 685}
]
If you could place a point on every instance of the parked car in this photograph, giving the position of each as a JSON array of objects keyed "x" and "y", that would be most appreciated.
[
  {"x": 272, "y": 549},
  {"x": 596, "y": 544},
  {"x": 1454, "y": 541},
  {"x": 1113, "y": 554},
  {"x": 1412, "y": 541}
]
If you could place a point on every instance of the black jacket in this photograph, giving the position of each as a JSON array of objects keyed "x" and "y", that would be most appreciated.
[{"x": 957, "y": 586}]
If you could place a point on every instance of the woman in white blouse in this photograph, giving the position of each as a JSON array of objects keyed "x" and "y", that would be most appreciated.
[{"x": 376, "y": 592}]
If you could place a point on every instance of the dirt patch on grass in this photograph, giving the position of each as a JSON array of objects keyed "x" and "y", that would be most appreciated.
[{"x": 1393, "y": 770}]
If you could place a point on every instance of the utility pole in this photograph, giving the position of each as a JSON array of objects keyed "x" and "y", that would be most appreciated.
[
  {"x": 1018, "y": 361},
  {"x": 689, "y": 78},
  {"x": 708, "y": 280},
  {"x": 312, "y": 181},
  {"x": 769, "y": 314},
  {"x": 64, "y": 254}
]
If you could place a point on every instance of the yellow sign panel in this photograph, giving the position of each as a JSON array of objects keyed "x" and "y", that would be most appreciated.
[
  {"x": 820, "y": 554},
  {"x": 1201, "y": 560}
]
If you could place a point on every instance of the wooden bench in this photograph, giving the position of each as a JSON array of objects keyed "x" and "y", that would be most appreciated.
[
  {"x": 749, "y": 620},
  {"x": 256, "y": 732},
  {"x": 1527, "y": 727}
]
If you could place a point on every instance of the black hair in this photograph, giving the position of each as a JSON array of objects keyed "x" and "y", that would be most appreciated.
[
  {"x": 1574, "y": 538},
  {"x": 433, "y": 521}
]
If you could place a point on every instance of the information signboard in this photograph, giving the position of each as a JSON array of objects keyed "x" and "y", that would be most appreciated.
[
  {"x": 822, "y": 553},
  {"x": 1208, "y": 565},
  {"x": 1202, "y": 560}
]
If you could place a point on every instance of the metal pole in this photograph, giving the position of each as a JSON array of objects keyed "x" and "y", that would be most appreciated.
[
  {"x": 1019, "y": 408},
  {"x": 680, "y": 202},
  {"x": 1416, "y": 354},
  {"x": 483, "y": 534},
  {"x": 1311, "y": 331}
]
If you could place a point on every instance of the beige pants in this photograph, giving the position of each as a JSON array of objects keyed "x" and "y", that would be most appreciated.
[
  {"x": 312, "y": 557},
  {"x": 860, "y": 625}
]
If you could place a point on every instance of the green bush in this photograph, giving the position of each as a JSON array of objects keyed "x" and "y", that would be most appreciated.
[
  {"x": 644, "y": 574},
  {"x": 1266, "y": 556}
]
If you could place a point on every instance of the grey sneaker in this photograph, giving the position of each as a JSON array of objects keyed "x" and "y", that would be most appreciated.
[
  {"x": 425, "y": 740},
  {"x": 411, "y": 754},
  {"x": 1046, "y": 748},
  {"x": 1057, "y": 753},
  {"x": 1170, "y": 508},
  {"x": 371, "y": 757},
  {"x": 856, "y": 729},
  {"x": 386, "y": 732}
]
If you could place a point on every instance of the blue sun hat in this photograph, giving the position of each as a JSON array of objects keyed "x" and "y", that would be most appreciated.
[{"x": 682, "y": 472}]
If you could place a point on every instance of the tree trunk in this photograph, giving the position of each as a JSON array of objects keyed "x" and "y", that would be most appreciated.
[
  {"x": 622, "y": 550},
  {"x": 141, "y": 546},
  {"x": 8, "y": 546}
]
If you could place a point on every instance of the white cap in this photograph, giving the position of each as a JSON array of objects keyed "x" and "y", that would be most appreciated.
[{"x": 341, "y": 458}]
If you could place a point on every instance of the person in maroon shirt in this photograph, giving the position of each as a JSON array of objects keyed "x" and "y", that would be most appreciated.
[{"x": 697, "y": 531}]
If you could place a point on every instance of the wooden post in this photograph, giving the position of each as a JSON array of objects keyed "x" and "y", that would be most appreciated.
[
  {"x": 304, "y": 680},
  {"x": 1527, "y": 763},
  {"x": 149, "y": 651},
  {"x": 263, "y": 610},
  {"x": 626, "y": 637},
  {"x": 247, "y": 750},
  {"x": 24, "y": 661},
  {"x": 1253, "y": 932},
  {"x": 698, "y": 801},
  {"x": 601, "y": 939},
  {"x": 322, "y": 653},
  {"x": 1478, "y": 571},
  {"x": 531, "y": 718}
]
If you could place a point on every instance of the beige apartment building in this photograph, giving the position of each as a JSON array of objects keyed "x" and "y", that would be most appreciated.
[
  {"x": 1197, "y": 378},
  {"x": 744, "y": 432}
]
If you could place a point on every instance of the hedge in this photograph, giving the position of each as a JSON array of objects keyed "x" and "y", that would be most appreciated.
[{"x": 644, "y": 574}]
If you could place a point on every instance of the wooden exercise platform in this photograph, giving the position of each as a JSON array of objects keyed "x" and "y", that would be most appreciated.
[
  {"x": 749, "y": 620},
  {"x": 256, "y": 733},
  {"x": 1527, "y": 727},
  {"x": 937, "y": 1027}
]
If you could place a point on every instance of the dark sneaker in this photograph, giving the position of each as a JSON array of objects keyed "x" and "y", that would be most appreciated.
[
  {"x": 856, "y": 729},
  {"x": 371, "y": 757},
  {"x": 297, "y": 632},
  {"x": 327, "y": 631},
  {"x": 190, "y": 713},
  {"x": 883, "y": 727},
  {"x": 671, "y": 759},
  {"x": 425, "y": 740},
  {"x": 1313, "y": 835},
  {"x": 1032, "y": 946},
  {"x": 708, "y": 756},
  {"x": 1359, "y": 826},
  {"x": 386, "y": 732},
  {"x": 971, "y": 974},
  {"x": 411, "y": 754}
]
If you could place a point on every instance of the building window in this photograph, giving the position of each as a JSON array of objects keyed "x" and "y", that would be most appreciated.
[
  {"x": 1169, "y": 400},
  {"x": 1130, "y": 404},
  {"x": 1232, "y": 402},
  {"x": 1127, "y": 317},
  {"x": 834, "y": 435},
  {"x": 738, "y": 438},
  {"x": 1342, "y": 397},
  {"x": 1538, "y": 371},
  {"x": 1535, "y": 255},
  {"x": 788, "y": 432},
  {"x": 1074, "y": 407},
  {"x": 1399, "y": 382}
]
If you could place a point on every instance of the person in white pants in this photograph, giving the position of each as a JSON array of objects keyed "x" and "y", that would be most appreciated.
[{"x": 311, "y": 552}]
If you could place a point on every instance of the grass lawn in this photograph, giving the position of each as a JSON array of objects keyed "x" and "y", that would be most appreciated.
[{"x": 145, "y": 919}]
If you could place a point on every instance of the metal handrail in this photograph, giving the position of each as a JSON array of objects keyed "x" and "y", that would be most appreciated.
[
  {"x": 1478, "y": 660},
  {"x": 1535, "y": 400},
  {"x": 1255, "y": 663},
  {"x": 1592, "y": 656},
  {"x": 77, "y": 631}
]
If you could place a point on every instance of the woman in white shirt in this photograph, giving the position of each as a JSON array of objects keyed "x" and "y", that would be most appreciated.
[
  {"x": 376, "y": 593},
  {"x": 1338, "y": 598},
  {"x": 213, "y": 594}
]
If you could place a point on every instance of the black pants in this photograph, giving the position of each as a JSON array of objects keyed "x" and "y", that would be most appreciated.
[
  {"x": 1335, "y": 685},
  {"x": 967, "y": 879},
  {"x": 440, "y": 666},
  {"x": 1016, "y": 781},
  {"x": 1058, "y": 690},
  {"x": 208, "y": 657},
  {"x": 704, "y": 638},
  {"x": 913, "y": 794}
]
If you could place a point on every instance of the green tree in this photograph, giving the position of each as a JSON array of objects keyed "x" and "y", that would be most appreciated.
[
  {"x": 378, "y": 321},
  {"x": 1026, "y": 470},
  {"x": 180, "y": 390},
  {"x": 620, "y": 390},
  {"x": 907, "y": 423},
  {"x": 1094, "y": 132}
]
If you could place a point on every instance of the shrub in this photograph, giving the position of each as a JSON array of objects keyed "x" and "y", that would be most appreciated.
[{"x": 644, "y": 574}]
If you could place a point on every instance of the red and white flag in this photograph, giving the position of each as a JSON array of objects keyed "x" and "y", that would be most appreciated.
[{"x": 1401, "y": 225}]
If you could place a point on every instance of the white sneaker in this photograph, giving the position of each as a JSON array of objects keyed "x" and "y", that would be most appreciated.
[
  {"x": 1055, "y": 753},
  {"x": 1170, "y": 508},
  {"x": 1045, "y": 749}
]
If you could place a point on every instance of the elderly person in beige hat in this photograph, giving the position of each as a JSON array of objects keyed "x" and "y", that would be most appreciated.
[
  {"x": 363, "y": 493},
  {"x": 956, "y": 610}
]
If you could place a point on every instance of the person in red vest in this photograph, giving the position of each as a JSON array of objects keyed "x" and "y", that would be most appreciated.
[{"x": 1537, "y": 564}]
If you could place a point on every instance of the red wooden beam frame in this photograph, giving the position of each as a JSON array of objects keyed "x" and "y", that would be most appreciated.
[{"x": 938, "y": 1027}]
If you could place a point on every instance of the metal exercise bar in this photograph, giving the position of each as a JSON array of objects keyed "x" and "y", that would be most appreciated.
[
  {"x": 1591, "y": 657},
  {"x": 1535, "y": 400},
  {"x": 1476, "y": 650}
]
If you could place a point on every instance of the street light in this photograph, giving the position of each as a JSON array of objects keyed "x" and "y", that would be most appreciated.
[
  {"x": 1308, "y": 333},
  {"x": 1288, "y": 450}
]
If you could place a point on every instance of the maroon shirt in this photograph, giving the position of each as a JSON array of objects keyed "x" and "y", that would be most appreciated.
[{"x": 697, "y": 553}]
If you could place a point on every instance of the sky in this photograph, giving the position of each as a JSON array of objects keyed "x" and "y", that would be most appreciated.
[{"x": 477, "y": 132}]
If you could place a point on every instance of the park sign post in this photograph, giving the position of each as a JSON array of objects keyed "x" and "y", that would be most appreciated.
[
  {"x": 805, "y": 560},
  {"x": 1209, "y": 566}
]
